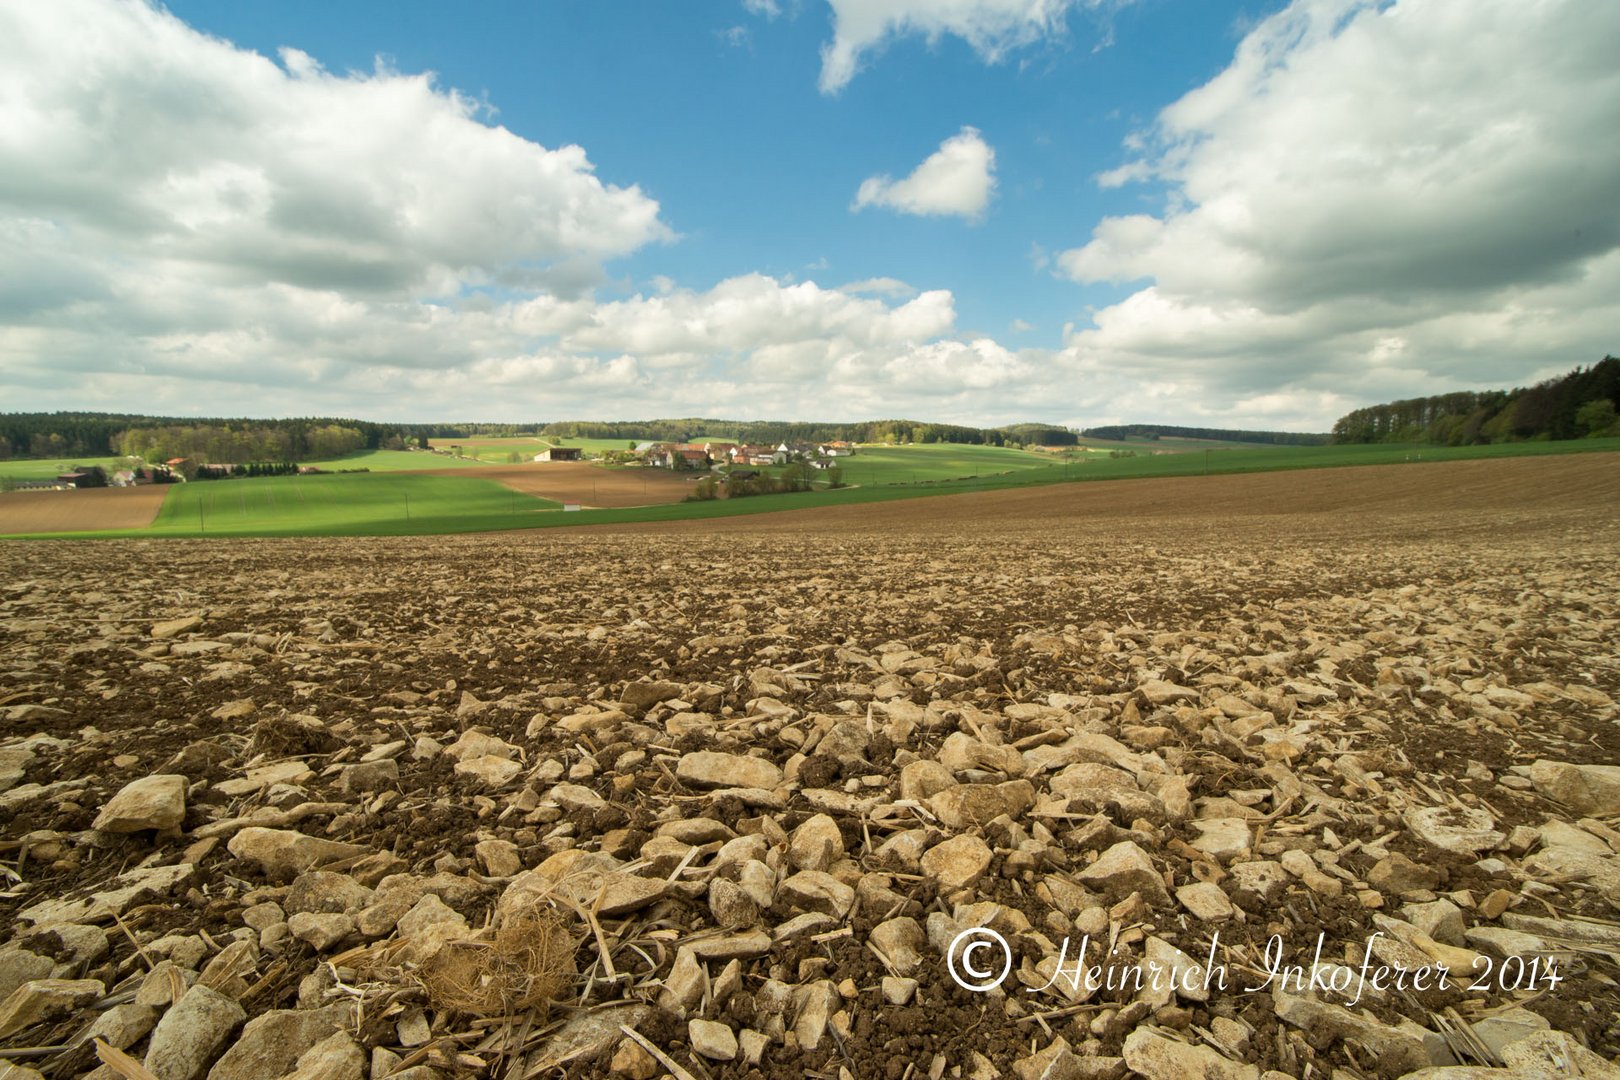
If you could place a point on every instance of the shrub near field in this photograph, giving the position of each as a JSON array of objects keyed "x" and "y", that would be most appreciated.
[{"x": 343, "y": 505}]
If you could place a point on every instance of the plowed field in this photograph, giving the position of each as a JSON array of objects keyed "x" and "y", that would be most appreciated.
[
  {"x": 590, "y": 485},
  {"x": 486, "y": 805},
  {"x": 1326, "y": 501},
  {"x": 80, "y": 511}
]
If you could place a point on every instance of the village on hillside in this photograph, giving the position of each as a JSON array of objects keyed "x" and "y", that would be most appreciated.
[{"x": 720, "y": 455}]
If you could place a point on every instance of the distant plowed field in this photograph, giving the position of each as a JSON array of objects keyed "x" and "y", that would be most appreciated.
[
  {"x": 589, "y": 485},
  {"x": 78, "y": 511},
  {"x": 1324, "y": 500}
]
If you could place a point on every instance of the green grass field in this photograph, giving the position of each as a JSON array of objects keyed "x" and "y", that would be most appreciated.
[
  {"x": 392, "y": 461},
  {"x": 356, "y": 505},
  {"x": 373, "y": 504},
  {"x": 47, "y": 468},
  {"x": 932, "y": 462}
]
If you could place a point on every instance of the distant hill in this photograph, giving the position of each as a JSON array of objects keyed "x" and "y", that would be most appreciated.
[
  {"x": 1582, "y": 404},
  {"x": 67, "y": 435},
  {"x": 687, "y": 429},
  {"x": 1154, "y": 431}
]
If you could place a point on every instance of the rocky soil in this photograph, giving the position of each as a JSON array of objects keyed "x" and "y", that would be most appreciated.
[{"x": 719, "y": 804}]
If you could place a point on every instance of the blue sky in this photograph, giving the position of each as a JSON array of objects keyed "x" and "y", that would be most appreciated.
[
  {"x": 715, "y": 112},
  {"x": 983, "y": 211}
]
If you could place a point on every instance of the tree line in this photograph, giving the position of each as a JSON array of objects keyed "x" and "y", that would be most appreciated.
[
  {"x": 65, "y": 435},
  {"x": 1582, "y": 404},
  {"x": 691, "y": 429}
]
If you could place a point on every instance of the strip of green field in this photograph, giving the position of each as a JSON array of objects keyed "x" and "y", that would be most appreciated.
[
  {"x": 360, "y": 504},
  {"x": 471, "y": 505},
  {"x": 392, "y": 461},
  {"x": 932, "y": 462},
  {"x": 49, "y": 468}
]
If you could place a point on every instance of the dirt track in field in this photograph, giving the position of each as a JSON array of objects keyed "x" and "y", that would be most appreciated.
[
  {"x": 588, "y": 485},
  {"x": 80, "y": 511}
]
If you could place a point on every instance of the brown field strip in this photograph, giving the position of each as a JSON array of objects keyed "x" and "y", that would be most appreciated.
[
  {"x": 588, "y": 485},
  {"x": 80, "y": 511},
  {"x": 1323, "y": 500}
]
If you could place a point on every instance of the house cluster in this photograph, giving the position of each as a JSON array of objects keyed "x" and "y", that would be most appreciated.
[
  {"x": 94, "y": 477},
  {"x": 716, "y": 455}
]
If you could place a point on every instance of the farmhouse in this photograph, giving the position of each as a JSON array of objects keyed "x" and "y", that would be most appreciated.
[
  {"x": 677, "y": 456},
  {"x": 558, "y": 453}
]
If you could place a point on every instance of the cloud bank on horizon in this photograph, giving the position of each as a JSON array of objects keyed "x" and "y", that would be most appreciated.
[{"x": 1369, "y": 200}]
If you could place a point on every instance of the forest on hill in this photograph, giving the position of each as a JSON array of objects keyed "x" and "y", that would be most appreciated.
[{"x": 1582, "y": 404}]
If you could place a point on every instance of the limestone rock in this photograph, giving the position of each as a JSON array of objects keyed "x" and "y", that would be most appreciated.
[
  {"x": 958, "y": 862},
  {"x": 816, "y": 844},
  {"x": 286, "y": 852},
  {"x": 713, "y": 1040},
  {"x": 1459, "y": 830},
  {"x": 1588, "y": 790},
  {"x": 270, "y": 1045},
  {"x": 1123, "y": 869},
  {"x": 191, "y": 1034},
  {"x": 1157, "y": 1057},
  {"x": 45, "y": 999},
  {"x": 152, "y": 802},
  {"x": 706, "y": 768}
]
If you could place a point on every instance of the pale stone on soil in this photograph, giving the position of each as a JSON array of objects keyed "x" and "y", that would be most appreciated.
[
  {"x": 284, "y": 852},
  {"x": 706, "y": 768},
  {"x": 1205, "y": 901},
  {"x": 1589, "y": 790},
  {"x": 270, "y": 1045},
  {"x": 153, "y": 802},
  {"x": 190, "y": 1035},
  {"x": 712, "y": 1040},
  {"x": 958, "y": 862},
  {"x": 1159, "y": 1058},
  {"x": 1123, "y": 869},
  {"x": 816, "y": 844},
  {"x": 499, "y": 858},
  {"x": 42, "y": 999},
  {"x": 1459, "y": 830}
]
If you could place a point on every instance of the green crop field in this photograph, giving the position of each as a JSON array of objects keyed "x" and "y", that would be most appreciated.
[
  {"x": 353, "y": 505},
  {"x": 47, "y": 468},
  {"x": 392, "y": 461},
  {"x": 872, "y": 466},
  {"x": 373, "y": 504}
]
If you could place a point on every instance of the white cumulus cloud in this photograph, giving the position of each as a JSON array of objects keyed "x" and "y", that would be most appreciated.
[
  {"x": 991, "y": 27},
  {"x": 188, "y": 227},
  {"x": 1368, "y": 172},
  {"x": 955, "y": 180}
]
